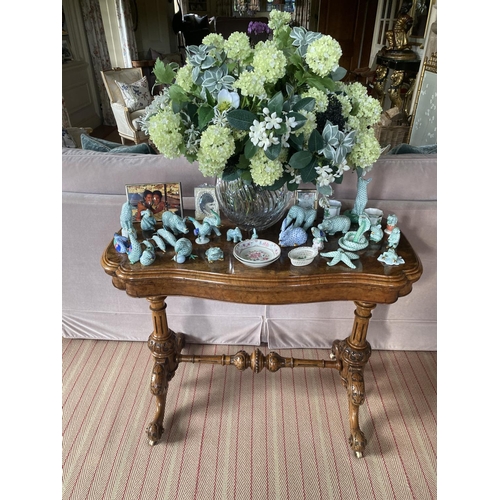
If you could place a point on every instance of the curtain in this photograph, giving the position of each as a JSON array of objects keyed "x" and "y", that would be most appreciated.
[
  {"x": 98, "y": 48},
  {"x": 127, "y": 35},
  {"x": 302, "y": 13}
]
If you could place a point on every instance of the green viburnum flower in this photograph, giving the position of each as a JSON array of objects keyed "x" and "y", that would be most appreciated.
[
  {"x": 185, "y": 78},
  {"x": 269, "y": 62},
  {"x": 216, "y": 147},
  {"x": 164, "y": 132},
  {"x": 323, "y": 55},
  {"x": 265, "y": 171},
  {"x": 237, "y": 47},
  {"x": 279, "y": 19},
  {"x": 366, "y": 151},
  {"x": 251, "y": 84},
  {"x": 215, "y": 39},
  {"x": 320, "y": 97}
]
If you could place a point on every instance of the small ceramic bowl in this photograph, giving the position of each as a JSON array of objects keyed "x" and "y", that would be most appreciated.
[
  {"x": 301, "y": 256},
  {"x": 375, "y": 215}
]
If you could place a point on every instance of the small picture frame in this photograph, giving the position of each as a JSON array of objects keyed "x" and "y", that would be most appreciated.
[
  {"x": 155, "y": 196},
  {"x": 307, "y": 198},
  {"x": 205, "y": 201}
]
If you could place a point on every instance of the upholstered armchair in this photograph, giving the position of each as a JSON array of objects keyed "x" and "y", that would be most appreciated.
[{"x": 127, "y": 102}]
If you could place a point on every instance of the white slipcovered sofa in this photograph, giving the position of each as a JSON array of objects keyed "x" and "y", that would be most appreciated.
[{"x": 93, "y": 191}]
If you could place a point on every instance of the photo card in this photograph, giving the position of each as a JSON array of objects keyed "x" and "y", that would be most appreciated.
[
  {"x": 306, "y": 198},
  {"x": 157, "y": 197},
  {"x": 205, "y": 201}
]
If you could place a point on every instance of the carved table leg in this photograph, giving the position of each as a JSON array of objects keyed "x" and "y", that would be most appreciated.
[
  {"x": 352, "y": 354},
  {"x": 164, "y": 345}
]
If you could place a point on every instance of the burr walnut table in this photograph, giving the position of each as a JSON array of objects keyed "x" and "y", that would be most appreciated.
[{"x": 369, "y": 284}]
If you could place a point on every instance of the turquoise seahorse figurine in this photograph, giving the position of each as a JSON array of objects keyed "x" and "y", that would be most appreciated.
[{"x": 126, "y": 221}]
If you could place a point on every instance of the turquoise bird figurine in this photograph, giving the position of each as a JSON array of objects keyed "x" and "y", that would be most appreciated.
[
  {"x": 148, "y": 255},
  {"x": 183, "y": 248},
  {"x": 135, "y": 251},
  {"x": 167, "y": 236}
]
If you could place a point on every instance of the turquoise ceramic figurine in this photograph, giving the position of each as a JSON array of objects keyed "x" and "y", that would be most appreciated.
[
  {"x": 204, "y": 229},
  {"x": 391, "y": 258},
  {"x": 393, "y": 239},
  {"x": 355, "y": 240},
  {"x": 183, "y": 248},
  {"x": 376, "y": 233},
  {"x": 335, "y": 224},
  {"x": 174, "y": 223},
  {"x": 159, "y": 242},
  {"x": 148, "y": 255},
  {"x": 360, "y": 201},
  {"x": 126, "y": 221},
  {"x": 319, "y": 238},
  {"x": 135, "y": 250},
  {"x": 340, "y": 256},
  {"x": 392, "y": 220},
  {"x": 214, "y": 253},
  {"x": 303, "y": 217},
  {"x": 234, "y": 235},
  {"x": 148, "y": 220},
  {"x": 167, "y": 236}
]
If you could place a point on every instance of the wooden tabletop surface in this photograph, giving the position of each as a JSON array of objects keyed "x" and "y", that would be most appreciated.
[{"x": 278, "y": 283}]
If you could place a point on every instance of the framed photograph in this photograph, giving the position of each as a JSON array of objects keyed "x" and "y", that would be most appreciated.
[
  {"x": 204, "y": 201},
  {"x": 156, "y": 197},
  {"x": 306, "y": 198}
]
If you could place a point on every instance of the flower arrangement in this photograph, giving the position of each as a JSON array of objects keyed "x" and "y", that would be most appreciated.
[{"x": 274, "y": 114}]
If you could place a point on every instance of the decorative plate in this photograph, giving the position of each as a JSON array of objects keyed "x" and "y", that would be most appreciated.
[
  {"x": 302, "y": 256},
  {"x": 256, "y": 253}
]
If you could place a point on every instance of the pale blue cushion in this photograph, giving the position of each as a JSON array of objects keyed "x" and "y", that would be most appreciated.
[{"x": 103, "y": 146}]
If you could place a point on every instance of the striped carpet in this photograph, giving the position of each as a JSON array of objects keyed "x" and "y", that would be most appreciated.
[{"x": 238, "y": 435}]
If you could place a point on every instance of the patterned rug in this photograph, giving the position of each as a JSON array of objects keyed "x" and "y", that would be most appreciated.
[{"x": 238, "y": 435}]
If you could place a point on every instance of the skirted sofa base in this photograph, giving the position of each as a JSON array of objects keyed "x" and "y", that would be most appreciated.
[{"x": 94, "y": 191}]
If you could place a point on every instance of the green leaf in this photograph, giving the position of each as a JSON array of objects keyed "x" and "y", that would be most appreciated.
[
  {"x": 178, "y": 94},
  {"x": 338, "y": 74},
  {"x": 299, "y": 119},
  {"x": 278, "y": 183},
  {"x": 272, "y": 152},
  {"x": 316, "y": 142},
  {"x": 297, "y": 141},
  {"x": 308, "y": 173},
  {"x": 326, "y": 190},
  {"x": 250, "y": 149},
  {"x": 243, "y": 163},
  {"x": 163, "y": 72},
  {"x": 275, "y": 105},
  {"x": 300, "y": 159},
  {"x": 205, "y": 115},
  {"x": 307, "y": 104},
  {"x": 246, "y": 176},
  {"x": 241, "y": 119}
]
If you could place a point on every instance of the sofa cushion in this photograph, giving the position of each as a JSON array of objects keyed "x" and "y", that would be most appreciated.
[
  {"x": 136, "y": 95},
  {"x": 103, "y": 146}
]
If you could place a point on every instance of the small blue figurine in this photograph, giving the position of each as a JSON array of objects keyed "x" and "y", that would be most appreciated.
[
  {"x": 255, "y": 236},
  {"x": 121, "y": 243},
  {"x": 355, "y": 240},
  {"x": 393, "y": 239},
  {"x": 335, "y": 224},
  {"x": 167, "y": 236},
  {"x": 214, "y": 253},
  {"x": 319, "y": 238},
  {"x": 234, "y": 235},
  {"x": 126, "y": 221},
  {"x": 291, "y": 236}
]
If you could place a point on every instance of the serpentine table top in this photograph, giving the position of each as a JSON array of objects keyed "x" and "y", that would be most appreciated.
[{"x": 370, "y": 283}]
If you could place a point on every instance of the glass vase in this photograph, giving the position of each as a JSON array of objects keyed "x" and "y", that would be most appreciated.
[{"x": 251, "y": 206}]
